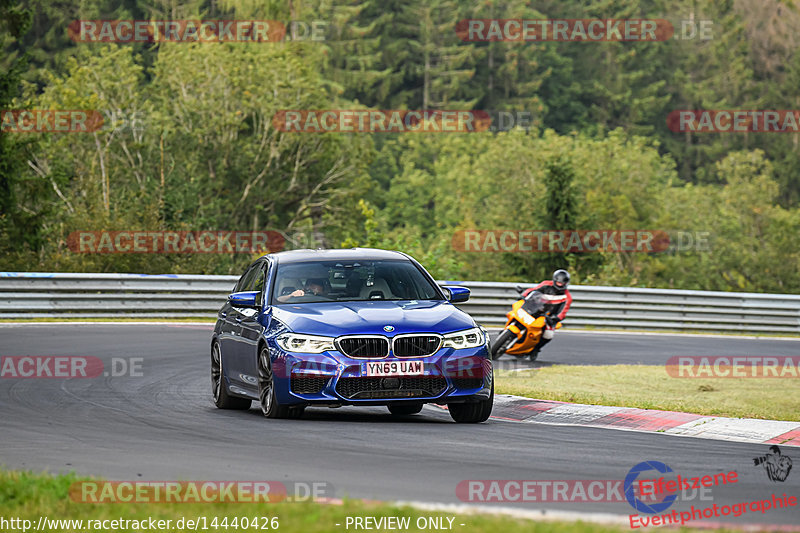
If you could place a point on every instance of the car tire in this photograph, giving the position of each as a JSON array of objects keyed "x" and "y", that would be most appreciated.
[
  {"x": 267, "y": 398},
  {"x": 219, "y": 389},
  {"x": 405, "y": 409},
  {"x": 503, "y": 342},
  {"x": 473, "y": 412}
]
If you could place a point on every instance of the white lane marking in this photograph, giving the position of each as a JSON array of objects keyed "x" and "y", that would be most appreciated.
[
  {"x": 577, "y": 414},
  {"x": 738, "y": 429},
  {"x": 704, "y": 436},
  {"x": 552, "y": 515},
  {"x": 750, "y": 430},
  {"x": 528, "y": 514}
]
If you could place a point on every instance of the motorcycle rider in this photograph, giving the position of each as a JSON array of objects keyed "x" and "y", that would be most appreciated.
[{"x": 559, "y": 299}]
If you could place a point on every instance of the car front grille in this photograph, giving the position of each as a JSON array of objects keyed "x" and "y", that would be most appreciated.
[
  {"x": 415, "y": 345},
  {"x": 468, "y": 383},
  {"x": 364, "y": 347},
  {"x": 308, "y": 384},
  {"x": 380, "y": 388}
]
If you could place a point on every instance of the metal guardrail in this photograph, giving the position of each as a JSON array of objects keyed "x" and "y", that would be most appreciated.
[{"x": 45, "y": 295}]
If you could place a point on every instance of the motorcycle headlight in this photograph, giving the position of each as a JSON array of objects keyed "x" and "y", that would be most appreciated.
[
  {"x": 525, "y": 316},
  {"x": 468, "y": 338},
  {"x": 296, "y": 342}
]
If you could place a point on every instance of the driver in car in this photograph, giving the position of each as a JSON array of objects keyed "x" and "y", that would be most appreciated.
[{"x": 313, "y": 286}]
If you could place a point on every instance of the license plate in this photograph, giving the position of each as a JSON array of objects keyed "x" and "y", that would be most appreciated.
[{"x": 392, "y": 368}]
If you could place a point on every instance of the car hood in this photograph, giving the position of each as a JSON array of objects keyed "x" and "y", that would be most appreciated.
[{"x": 369, "y": 317}]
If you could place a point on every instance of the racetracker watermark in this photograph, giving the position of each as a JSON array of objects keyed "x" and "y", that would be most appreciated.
[
  {"x": 573, "y": 30},
  {"x": 580, "y": 241},
  {"x": 50, "y": 121},
  {"x": 692, "y": 28},
  {"x": 725, "y": 366},
  {"x": 199, "y": 491},
  {"x": 68, "y": 366},
  {"x": 734, "y": 121},
  {"x": 381, "y": 121},
  {"x": 195, "y": 31},
  {"x": 560, "y": 490},
  {"x": 175, "y": 242}
]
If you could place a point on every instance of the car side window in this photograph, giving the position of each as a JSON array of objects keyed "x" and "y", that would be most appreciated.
[
  {"x": 246, "y": 280},
  {"x": 259, "y": 281}
]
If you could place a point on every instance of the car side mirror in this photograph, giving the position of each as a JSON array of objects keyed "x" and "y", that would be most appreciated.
[
  {"x": 456, "y": 294},
  {"x": 244, "y": 299}
]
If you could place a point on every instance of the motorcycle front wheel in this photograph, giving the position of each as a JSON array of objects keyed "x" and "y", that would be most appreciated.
[{"x": 503, "y": 343}]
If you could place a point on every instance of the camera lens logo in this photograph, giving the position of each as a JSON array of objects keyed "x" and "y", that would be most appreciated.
[
  {"x": 777, "y": 465},
  {"x": 630, "y": 483}
]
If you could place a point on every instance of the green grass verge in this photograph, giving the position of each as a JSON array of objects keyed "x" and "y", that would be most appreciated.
[
  {"x": 28, "y": 496},
  {"x": 650, "y": 387}
]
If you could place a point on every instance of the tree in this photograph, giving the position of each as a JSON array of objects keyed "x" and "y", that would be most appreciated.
[
  {"x": 560, "y": 207},
  {"x": 14, "y": 221}
]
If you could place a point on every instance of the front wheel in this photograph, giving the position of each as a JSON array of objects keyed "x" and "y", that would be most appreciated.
[
  {"x": 503, "y": 343},
  {"x": 472, "y": 413},
  {"x": 222, "y": 399},
  {"x": 267, "y": 397}
]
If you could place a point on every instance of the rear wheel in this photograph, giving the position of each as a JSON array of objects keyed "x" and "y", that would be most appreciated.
[
  {"x": 405, "y": 409},
  {"x": 218, "y": 387},
  {"x": 503, "y": 343},
  {"x": 472, "y": 413},
  {"x": 267, "y": 397}
]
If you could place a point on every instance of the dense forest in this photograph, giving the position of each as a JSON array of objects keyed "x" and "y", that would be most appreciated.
[{"x": 188, "y": 141}]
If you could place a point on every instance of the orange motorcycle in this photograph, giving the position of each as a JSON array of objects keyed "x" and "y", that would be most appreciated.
[{"x": 526, "y": 324}]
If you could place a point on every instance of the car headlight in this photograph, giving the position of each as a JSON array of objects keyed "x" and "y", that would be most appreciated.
[
  {"x": 468, "y": 338},
  {"x": 296, "y": 342}
]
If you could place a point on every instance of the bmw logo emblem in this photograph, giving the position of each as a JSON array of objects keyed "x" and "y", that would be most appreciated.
[{"x": 388, "y": 329}]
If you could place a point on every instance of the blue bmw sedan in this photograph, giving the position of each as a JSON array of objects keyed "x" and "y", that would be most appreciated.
[{"x": 348, "y": 327}]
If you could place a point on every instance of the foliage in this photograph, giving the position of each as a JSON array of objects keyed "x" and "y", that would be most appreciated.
[{"x": 189, "y": 144}]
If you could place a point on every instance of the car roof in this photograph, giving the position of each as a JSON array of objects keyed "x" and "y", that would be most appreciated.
[{"x": 339, "y": 254}]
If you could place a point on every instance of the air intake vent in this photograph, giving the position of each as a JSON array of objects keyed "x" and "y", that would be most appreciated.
[
  {"x": 364, "y": 347},
  {"x": 416, "y": 345}
]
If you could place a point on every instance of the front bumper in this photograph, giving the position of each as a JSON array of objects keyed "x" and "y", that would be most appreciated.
[{"x": 449, "y": 376}]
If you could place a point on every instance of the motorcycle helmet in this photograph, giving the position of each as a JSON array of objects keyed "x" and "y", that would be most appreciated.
[{"x": 561, "y": 279}]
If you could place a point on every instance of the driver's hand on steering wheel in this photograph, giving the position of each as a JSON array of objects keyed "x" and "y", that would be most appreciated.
[{"x": 298, "y": 292}]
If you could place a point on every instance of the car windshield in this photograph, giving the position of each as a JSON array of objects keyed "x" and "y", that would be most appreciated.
[
  {"x": 326, "y": 281},
  {"x": 534, "y": 303}
]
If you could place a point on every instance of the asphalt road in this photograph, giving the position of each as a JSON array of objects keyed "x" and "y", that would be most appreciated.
[
  {"x": 595, "y": 348},
  {"x": 162, "y": 425}
]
